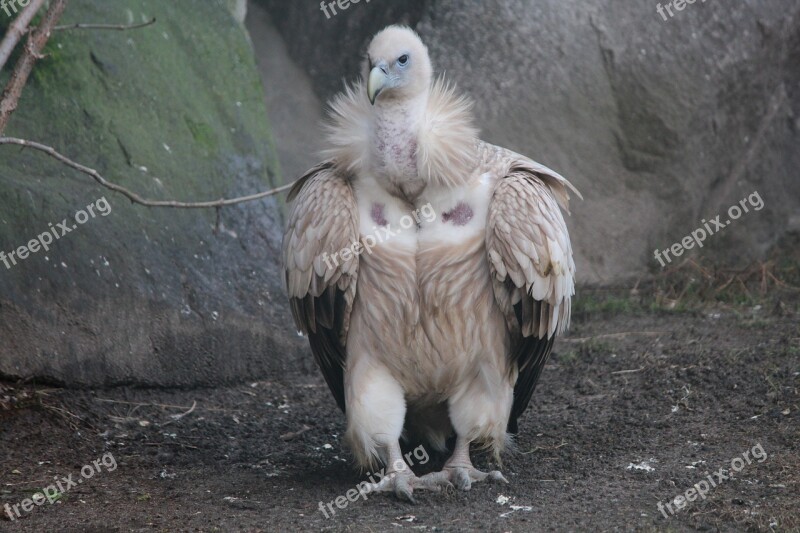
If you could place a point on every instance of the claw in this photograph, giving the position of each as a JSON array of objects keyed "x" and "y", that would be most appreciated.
[
  {"x": 462, "y": 479},
  {"x": 403, "y": 489},
  {"x": 496, "y": 475}
]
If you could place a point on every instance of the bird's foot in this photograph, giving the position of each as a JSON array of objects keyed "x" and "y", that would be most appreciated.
[
  {"x": 461, "y": 476},
  {"x": 402, "y": 483}
]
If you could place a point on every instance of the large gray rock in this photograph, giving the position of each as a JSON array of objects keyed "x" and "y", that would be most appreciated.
[
  {"x": 660, "y": 123},
  {"x": 294, "y": 108},
  {"x": 140, "y": 295}
]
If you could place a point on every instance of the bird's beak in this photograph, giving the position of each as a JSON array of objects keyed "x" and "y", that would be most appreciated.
[{"x": 376, "y": 83}]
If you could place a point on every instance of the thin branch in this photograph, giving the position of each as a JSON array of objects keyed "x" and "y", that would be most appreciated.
[
  {"x": 619, "y": 372},
  {"x": 161, "y": 405},
  {"x": 546, "y": 448},
  {"x": 33, "y": 51},
  {"x": 132, "y": 196},
  {"x": 181, "y": 415},
  {"x": 294, "y": 434},
  {"x": 118, "y": 27},
  {"x": 17, "y": 29},
  {"x": 620, "y": 335},
  {"x": 160, "y": 444}
]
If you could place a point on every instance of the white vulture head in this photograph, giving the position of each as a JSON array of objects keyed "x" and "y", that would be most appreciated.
[{"x": 398, "y": 66}]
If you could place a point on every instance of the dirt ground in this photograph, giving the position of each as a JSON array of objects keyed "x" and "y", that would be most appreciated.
[{"x": 634, "y": 409}]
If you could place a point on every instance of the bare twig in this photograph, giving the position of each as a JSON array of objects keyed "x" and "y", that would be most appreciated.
[
  {"x": 32, "y": 52},
  {"x": 17, "y": 29},
  {"x": 635, "y": 370},
  {"x": 118, "y": 27},
  {"x": 294, "y": 434},
  {"x": 160, "y": 444},
  {"x": 181, "y": 415},
  {"x": 132, "y": 196},
  {"x": 613, "y": 336},
  {"x": 537, "y": 448},
  {"x": 161, "y": 405},
  {"x": 33, "y": 485}
]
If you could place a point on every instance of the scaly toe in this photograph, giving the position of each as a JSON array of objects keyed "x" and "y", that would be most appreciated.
[
  {"x": 435, "y": 481},
  {"x": 463, "y": 477},
  {"x": 403, "y": 483}
]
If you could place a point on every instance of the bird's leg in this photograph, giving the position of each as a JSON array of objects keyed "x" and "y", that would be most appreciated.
[
  {"x": 398, "y": 477},
  {"x": 458, "y": 470}
]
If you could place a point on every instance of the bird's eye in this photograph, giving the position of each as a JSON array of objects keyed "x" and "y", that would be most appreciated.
[{"x": 403, "y": 60}]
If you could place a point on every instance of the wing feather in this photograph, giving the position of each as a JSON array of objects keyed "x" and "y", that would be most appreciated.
[
  {"x": 323, "y": 220},
  {"x": 532, "y": 269}
]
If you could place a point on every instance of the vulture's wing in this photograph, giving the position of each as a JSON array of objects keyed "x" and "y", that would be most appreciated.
[
  {"x": 530, "y": 260},
  {"x": 323, "y": 220}
]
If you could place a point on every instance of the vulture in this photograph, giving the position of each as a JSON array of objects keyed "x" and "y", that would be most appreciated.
[{"x": 434, "y": 331}]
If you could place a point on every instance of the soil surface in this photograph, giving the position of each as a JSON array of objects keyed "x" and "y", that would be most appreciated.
[{"x": 633, "y": 409}]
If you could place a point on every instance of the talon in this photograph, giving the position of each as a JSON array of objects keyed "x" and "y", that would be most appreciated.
[
  {"x": 408, "y": 496},
  {"x": 404, "y": 490},
  {"x": 496, "y": 475},
  {"x": 463, "y": 481}
]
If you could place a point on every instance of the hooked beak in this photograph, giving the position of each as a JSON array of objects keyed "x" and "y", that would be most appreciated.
[{"x": 376, "y": 83}]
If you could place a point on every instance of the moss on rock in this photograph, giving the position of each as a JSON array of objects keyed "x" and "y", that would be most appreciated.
[{"x": 154, "y": 296}]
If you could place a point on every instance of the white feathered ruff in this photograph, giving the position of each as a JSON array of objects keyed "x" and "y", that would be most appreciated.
[{"x": 447, "y": 136}]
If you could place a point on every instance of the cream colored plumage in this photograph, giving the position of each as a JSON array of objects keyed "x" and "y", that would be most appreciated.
[{"x": 444, "y": 327}]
